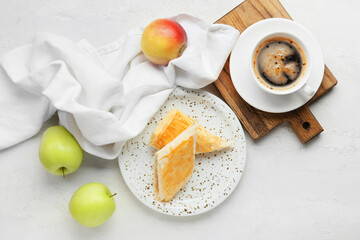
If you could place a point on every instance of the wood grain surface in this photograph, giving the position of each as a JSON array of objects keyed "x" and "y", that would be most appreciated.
[{"x": 256, "y": 122}]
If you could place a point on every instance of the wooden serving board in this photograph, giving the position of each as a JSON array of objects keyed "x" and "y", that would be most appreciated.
[{"x": 257, "y": 122}]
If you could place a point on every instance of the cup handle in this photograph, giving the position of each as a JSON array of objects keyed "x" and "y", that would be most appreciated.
[{"x": 306, "y": 90}]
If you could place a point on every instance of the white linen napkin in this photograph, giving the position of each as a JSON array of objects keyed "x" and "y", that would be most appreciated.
[{"x": 103, "y": 96}]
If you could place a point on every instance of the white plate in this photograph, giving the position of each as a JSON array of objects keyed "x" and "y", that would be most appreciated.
[
  {"x": 240, "y": 66},
  {"x": 215, "y": 174}
]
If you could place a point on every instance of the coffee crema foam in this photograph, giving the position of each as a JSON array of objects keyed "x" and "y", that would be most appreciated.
[{"x": 279, "y": 62}]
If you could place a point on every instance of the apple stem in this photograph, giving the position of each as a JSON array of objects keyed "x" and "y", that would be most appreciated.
[
  {"x": 182, "y": 49},
  {"x": 63, "y": 172},
  {"x": 113, "y": 195}
]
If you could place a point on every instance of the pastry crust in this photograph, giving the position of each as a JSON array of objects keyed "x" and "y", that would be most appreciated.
[
  {"x": 174, "y": 164},
  {"x": 174, "y": 123}
]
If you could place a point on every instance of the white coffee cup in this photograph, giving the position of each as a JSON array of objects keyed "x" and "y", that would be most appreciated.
[{"x": 300, "y": 84}]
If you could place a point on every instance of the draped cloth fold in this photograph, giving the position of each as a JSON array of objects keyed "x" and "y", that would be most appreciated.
[{"x": 103, "y": 96}]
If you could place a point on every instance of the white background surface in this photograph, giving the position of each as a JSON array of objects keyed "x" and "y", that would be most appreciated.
[{"x": 288, "y": 190}]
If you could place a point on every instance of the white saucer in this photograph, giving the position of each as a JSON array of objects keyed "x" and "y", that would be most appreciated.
[{"x": 240, "y": 66}]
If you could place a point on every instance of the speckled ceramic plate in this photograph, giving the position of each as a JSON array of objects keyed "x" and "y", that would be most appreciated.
[{"x": 215, "y": 174}]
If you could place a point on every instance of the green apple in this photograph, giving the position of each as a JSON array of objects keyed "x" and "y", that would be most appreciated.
[
  {"x": 59, "y": 151},
  {"x": 92, "y": 204}
]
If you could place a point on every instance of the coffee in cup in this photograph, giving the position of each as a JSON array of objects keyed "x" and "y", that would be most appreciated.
[{"x": 280, "y": 63}]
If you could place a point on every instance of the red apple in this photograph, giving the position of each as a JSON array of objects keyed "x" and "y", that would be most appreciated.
[{"x": 163, "y": 40}]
